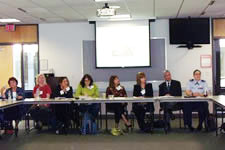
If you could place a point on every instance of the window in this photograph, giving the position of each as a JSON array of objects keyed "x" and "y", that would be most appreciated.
[
  {"x": 20, "y": 61},
  {"x": 222, "y": 62},
  {"x": 30, "y": 65}
]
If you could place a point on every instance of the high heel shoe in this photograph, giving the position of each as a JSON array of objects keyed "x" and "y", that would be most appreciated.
[{"x": 128, "y": 126}]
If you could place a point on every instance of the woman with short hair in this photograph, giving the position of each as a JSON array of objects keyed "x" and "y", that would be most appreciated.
[{"x": 13, "y": 93}]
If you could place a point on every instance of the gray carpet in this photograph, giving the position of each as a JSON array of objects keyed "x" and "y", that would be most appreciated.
[{"x": 178, "y": 139}]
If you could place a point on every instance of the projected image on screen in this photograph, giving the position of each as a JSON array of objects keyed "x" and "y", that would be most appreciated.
[{"x": 122, "y": 44}]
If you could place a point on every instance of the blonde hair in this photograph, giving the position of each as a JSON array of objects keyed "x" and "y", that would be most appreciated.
[
  {"x": 37, "y": 79},
  {"x": 139, "y": 76}
]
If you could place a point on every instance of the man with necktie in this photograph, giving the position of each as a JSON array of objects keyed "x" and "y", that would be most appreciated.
[
  {"x": 170, "y": 88},
  {"x": 196, "y": 88}
]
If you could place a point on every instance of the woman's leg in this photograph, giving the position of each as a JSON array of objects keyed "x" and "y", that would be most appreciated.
[
  {"x": 140, "y": 115},
  {"x": 93, "y": 110}
]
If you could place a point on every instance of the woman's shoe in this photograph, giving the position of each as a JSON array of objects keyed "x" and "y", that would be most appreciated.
[{"x": 128, "y": 126}]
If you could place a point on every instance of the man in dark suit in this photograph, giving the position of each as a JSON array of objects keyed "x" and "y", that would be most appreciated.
[{"x": 170, "y": 88}]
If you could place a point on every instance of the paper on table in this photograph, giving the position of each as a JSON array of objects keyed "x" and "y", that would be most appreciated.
[
  {"x": 116, "y": 98},
  {"x": 166, "y": 96}
]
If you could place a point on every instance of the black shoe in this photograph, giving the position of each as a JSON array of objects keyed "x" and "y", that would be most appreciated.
[
  {"x": 168, "y": 127},
  {"x": 199, "y": 128},
  {"x": 172, "y": 115},
  {"x": 128, "y": 126},
  {"x": 191, "y": 129},
  {"x": 38, "y": 125}
]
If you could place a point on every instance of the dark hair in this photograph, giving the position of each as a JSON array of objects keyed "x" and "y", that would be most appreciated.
[
  {"x": 84, "y": 77},
  {"x": 139, "y": 76},
  {"x": 63, "y": 78},
  {"x": 196, "y": 70},
  {"x": 12, "y": 79},
  {"x": 111, "y": 81}
]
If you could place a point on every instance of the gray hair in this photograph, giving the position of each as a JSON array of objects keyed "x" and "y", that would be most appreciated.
[{"x": 166, "y": 71}]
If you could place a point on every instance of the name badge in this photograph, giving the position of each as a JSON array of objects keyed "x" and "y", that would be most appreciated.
[
  {"x": 143, "y": 91},
  {"x": 61, "y": 92},
  {"x": 41, "y": 92},
  {"x": 118, "y": 88},
  {"x": 91, "y": 87},
  {"x": 67, "y": 89}
]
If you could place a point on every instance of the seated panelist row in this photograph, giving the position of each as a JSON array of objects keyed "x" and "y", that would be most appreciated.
[{"x": 87, "y": 87}]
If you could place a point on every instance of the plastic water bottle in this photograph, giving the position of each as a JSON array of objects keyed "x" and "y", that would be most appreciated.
[
  {"x": 205, "y": 92},
  {"x": 9, "y": 95},
  {"x": 14, "y": 95},
  {"x": 38, "y": 93}
]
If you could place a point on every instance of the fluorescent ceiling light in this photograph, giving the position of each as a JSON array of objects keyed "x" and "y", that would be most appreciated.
[
  {"x": 106, "y": 0},
  {"x": 9, "y": 20},
  {"x": 117, "y": 17}
]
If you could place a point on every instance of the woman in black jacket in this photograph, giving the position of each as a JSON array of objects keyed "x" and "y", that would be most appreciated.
[
  {"x": 63, "y": 111},
  {"x": 143, "y": 89}
]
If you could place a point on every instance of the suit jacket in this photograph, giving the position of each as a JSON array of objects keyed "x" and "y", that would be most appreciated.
[
  {"x": 148, "y": 90},
  {"x": 68, "y": 94},
  {"x": 174, "y": 90}
]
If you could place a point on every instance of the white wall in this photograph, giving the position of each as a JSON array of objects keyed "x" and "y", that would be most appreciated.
[
  {"x": 61, "y": 45},
  {"x": 181, "y": 61}
]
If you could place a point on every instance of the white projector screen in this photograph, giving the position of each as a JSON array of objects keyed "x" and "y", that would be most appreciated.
[{"x": 122, "y": 44}]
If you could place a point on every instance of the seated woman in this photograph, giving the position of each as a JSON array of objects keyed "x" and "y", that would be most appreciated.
[
  {"x": 41, "y": 112},
  {"x": 89, "y": 111},
  {"x": 117, "y": 90},
  {"x": 13, "y": 93},
  {"x": 63, "y": 111},
  {"x": 143, "y": 89}
]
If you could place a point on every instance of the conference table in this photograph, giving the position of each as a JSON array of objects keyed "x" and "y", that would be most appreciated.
[{"x": 218, "y": 101}]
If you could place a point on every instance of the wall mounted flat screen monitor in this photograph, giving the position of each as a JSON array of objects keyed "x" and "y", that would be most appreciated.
[{"x": 190, "y": 30}]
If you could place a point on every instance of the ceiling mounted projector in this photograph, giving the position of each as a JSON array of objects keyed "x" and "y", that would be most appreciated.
[{"x": 107, "y": 11}]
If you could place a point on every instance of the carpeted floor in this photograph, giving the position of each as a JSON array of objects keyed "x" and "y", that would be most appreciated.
[{"x": 178, "y": 139}]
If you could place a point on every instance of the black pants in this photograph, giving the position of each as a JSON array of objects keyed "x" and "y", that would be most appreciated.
[
  {"x": 168, "y": 108},
  {"x": 140, "y": 111},
  {"x": 62, "y": 113},
  {"x": 13, "y": 113},
  {"x": 41, "y": 113},
  {"x": 118, "y": 109},
  {"x": 200, "y": 107}
]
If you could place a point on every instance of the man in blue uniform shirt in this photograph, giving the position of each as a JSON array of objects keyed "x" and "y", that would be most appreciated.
[{"x": 196, "y": 88}]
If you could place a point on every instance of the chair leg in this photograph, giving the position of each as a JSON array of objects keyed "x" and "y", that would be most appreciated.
[
  {"x": 180, "y": 118},
  {"x": 132, "y": 121},
  {"x": 106, "y": 119}
]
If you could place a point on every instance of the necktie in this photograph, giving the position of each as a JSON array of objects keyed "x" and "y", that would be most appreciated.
[{"x": 168, "y": 86}]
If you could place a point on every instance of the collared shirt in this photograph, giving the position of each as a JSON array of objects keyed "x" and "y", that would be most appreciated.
[
  {"x": 197, "y": 86},
  {"x": 168, "y": 83},
  {"x": 91, "y": 91}
]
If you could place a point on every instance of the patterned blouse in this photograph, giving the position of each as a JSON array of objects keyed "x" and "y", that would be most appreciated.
[{"x": 117, "y": 92}]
